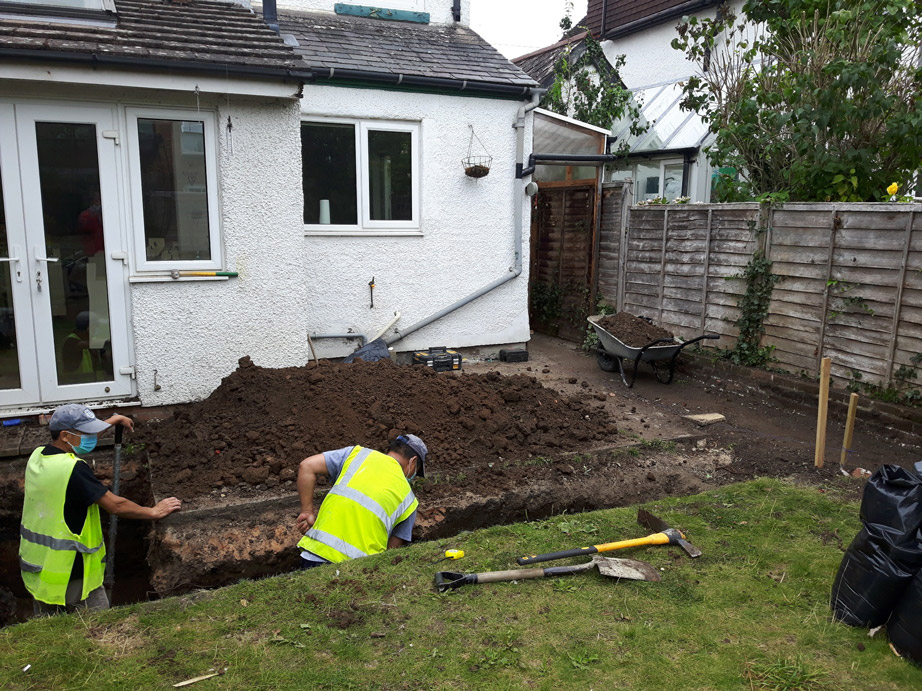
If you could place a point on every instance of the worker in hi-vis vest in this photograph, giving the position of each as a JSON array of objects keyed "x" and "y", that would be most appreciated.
[
  {"x": 370, "y": 507},
  {"x": 61, "y": 551}
]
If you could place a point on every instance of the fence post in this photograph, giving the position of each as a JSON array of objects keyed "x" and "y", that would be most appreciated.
[
  {"x": 833, "y": 224},
  {"x": 662, "y": 267},
  {"x": 898, "y": 307},
  {"x": 626, "y": 196},
  {"x": 707, "y": 271}
]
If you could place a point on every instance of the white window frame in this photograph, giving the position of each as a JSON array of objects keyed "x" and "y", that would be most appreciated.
[
  {"x": 663, "y": 162},
  {"x": 365, "y": 225},
  {"x": 208, "y": 119}
]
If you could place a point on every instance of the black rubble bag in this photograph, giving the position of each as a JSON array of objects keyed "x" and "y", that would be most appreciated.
[
  {"x": 370, "y": 352},
  {"x": 905, "y": 625},
  {"x": 882, "y": 560}
]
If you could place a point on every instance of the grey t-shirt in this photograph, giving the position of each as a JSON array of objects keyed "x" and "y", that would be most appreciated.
[{"x": 335, "y": 461}]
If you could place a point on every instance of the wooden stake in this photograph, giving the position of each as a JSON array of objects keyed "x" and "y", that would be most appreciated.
[
  {"x": 820, "y": 457},
  {"x": 849, "y": 427}
]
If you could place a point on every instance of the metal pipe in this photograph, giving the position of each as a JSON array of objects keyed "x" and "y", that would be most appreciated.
[
  {"x": 271, "y": 15},
  {"x": 517, "y": 197},
  {"x": 456, "y": 11}
]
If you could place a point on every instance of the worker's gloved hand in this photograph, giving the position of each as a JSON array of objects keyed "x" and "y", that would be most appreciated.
[
  {"x": 166, "y": 507},
  {"x": 305, "y": 521}
]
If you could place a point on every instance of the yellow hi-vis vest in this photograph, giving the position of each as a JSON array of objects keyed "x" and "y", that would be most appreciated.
[
  {"x": 370, "y": 496},
  {"x": 47, "y": 547}
]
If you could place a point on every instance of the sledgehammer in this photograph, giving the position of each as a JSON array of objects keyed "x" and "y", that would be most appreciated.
[{"x": 664, "y": 536}]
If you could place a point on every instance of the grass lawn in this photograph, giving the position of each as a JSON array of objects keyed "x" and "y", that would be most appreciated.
[{"x": 751, "y": 613}]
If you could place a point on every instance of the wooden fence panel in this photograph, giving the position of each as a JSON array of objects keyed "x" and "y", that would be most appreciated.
[{"x": 850, "y": 283}]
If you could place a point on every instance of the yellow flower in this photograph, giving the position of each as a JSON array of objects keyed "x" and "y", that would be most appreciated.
[{"x": 893, "y": 189}]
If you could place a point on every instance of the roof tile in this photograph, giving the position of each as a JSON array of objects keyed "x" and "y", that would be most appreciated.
[
  {"x": 374, "y": 45},
  {"x": 199, "y": 31}
]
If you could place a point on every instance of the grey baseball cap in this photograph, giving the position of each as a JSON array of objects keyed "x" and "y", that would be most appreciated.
[
  {"x": 419, "y": 448},
  {"x": 78, "y": 417}
]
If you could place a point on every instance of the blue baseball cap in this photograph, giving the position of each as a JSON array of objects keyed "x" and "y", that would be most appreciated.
[{"x": 78, "y": 417}]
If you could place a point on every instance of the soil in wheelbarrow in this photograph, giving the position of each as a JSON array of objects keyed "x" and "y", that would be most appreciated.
[
  {"x": 632, "y": 331},
  {"x": 247, "y": 438}
]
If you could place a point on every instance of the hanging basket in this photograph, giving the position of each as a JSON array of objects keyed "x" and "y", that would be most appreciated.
[{"x": 477, "y": 166}]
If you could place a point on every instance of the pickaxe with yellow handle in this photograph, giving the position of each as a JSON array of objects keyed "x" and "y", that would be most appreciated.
[{"x": 664, "y": 536}]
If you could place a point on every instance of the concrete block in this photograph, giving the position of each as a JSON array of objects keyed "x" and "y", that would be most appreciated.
[{"x": 705, "y": 419}]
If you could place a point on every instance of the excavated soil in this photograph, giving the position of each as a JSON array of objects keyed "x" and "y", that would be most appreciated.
[
  {"x": 632, "y": 331},
  {"x": 249, "y": 435}
]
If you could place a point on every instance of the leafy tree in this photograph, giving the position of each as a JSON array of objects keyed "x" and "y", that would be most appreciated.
[
  {"x": 814, "y": 100},
  {"x": 587, "y": 86}
]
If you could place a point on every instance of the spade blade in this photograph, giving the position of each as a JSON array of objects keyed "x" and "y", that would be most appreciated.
[
  {"x": 630, "y": 569},
  {"x": 651, "y": 522}
]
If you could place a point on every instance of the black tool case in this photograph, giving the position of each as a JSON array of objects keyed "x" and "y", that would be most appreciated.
[{"x": 441, "y": 359}]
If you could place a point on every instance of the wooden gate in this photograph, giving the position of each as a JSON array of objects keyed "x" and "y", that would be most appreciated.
[{"x": 563, "y": 218}]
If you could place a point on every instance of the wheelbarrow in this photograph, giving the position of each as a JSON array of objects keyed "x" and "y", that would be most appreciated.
[{"x": 662, "y": 354}]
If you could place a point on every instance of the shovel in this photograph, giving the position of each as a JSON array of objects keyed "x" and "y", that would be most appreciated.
[{"x": 629, "y": 569}]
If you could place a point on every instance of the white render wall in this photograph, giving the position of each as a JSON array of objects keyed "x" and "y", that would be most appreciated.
[
  {"x": 466, "y": 224},
  {"x": 193, "y": 332},
  {"x": 440, "y": 11},
  {"x": 649, "y": 56}
]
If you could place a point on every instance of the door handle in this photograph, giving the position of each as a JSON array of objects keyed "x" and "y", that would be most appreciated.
[
  {"x": 38, "y": 272},
  {"x": 14, "y": 260}
]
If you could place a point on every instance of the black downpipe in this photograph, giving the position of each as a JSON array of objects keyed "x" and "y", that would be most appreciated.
[
  {"x": 271, "y": 15},
  {"x": 604, "y": 17},
  {"x": 686, "y": 169},
  {"x": 456, "y": 11},
  {"x": 521, "y": 172}
]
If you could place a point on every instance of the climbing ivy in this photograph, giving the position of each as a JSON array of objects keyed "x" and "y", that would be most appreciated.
[
  {"x": 760, "y": 282},
  {"x": 587, "y": 86}
]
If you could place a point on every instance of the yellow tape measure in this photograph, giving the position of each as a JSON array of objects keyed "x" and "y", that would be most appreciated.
[{"x": 454, "y": 553}]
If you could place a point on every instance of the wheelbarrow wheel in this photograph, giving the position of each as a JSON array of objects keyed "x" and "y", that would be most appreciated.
[{"x": 607, "y": 362}]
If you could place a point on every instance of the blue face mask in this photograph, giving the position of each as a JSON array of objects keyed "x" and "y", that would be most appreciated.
[{"x": 87, "y": 444}]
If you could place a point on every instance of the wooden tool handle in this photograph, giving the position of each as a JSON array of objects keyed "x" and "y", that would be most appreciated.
[
  {"x": 510, "y": 575},
  {"x": 521, "y": 574}
]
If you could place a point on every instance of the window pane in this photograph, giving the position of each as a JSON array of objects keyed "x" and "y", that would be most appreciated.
[
  {"x": 9, "y": 357},
  {"x": 672, "y": 180},
  {"x": 647, "y": 185},
  {"x": 390, "y": 175},
  {"x": 174, "y": 189},
  {"x": 77, "y": 285},
  {"x": 328, "y": 174}
]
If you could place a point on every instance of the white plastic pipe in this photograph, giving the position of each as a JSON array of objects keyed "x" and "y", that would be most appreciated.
[{"x": 384, "y": 330}]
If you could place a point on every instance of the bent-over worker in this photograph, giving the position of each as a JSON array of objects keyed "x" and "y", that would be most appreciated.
[
  {"x": 62, "y": 553},
  {"x": 370, "y": 507}
]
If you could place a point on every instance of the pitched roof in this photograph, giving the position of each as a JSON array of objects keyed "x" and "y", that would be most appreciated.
[
  {"x": 540, "y": 64},
  {"x": 358, "y": 44},
  {"x": 196, "y": 35},
  {"x": 626, "y": 16}
]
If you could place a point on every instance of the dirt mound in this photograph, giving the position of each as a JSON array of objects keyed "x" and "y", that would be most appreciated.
[
  {"x": 259, "y": 423},
  {"x": 632, "y": 331}
]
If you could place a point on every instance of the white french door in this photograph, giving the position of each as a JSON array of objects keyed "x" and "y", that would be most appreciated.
[{"x": 63, "y": 318}]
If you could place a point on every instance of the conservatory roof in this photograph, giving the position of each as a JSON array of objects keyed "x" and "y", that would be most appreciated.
[{"x": 668, "y": 126}]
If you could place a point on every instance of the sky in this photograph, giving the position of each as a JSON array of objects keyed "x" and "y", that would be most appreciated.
[{"x": 517, "y": 27}]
